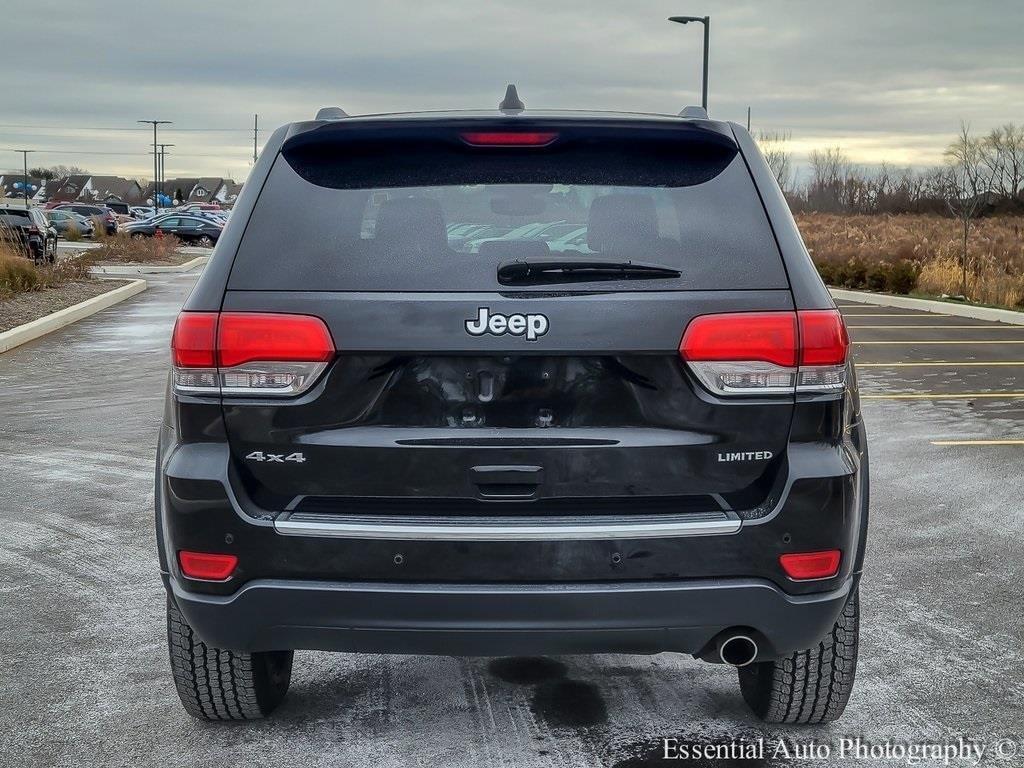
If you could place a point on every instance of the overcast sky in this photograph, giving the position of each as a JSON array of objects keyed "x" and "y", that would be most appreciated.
[{"x": 887, "y": 80}]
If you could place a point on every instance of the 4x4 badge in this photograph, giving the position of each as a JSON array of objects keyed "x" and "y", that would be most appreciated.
[{"x": 532, "y": 326}]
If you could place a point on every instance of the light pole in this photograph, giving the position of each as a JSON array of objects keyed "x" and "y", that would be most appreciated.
[
  {"x": 163, "y": 155},
  {"x": 156, "y": 160},
  {"x": 706, "y": 21},
  {"x": 24, "y": 157}
]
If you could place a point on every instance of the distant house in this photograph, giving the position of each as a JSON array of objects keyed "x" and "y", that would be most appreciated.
[
  {"x": 195, "y": 190},
  {"x": 11, "y": 185},
  {"x": 210, "y": 189},
  {"x": 66, "y": 189},
  {"x": 105, "y": 189},
  {"x": 93, "y": 189},
  {"x": 232, "y": 192}
]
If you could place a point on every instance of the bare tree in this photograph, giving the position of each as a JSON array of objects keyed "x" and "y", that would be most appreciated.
[
  {"x": 776, "y": 153},
  {"x": 966, "y": 184},
  {"x": 61, "y": 171},
  {"x": 1003, "y": 152}
]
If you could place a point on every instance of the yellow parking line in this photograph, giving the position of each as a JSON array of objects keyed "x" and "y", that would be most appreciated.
[
  {"x": 914, "y": 315},
  {"x": 954, "y": 341},
  {"x": 944, "y": 396},
  {"x": 939, "y": 363},
  {"x": 977, "y": 442},
  {"x": 945, "y": 327}
]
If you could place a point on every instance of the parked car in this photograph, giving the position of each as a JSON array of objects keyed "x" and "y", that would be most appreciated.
[
  {"x": 574, "y": 240},
  {"x": 187, "y": 207},
  {"x": 28, "y": 230},
  {"x": 118, "y": 207},
  {"x": 140, "y": 212},
  {"x": 64, "y": 220},
  {"x": 459, "y": 233},
  {"x": 101, "y": 214},
  {"x": 195, "y": 230},
  {"x": 376, "y": 444},
  {"x": 534, "y": 231}
]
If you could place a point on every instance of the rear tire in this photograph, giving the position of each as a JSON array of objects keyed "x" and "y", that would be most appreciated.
[
  {"x": 217, "y": 684},
  {"x": 808, "y": 687}
]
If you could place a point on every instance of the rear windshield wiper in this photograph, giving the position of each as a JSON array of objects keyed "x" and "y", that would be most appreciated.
[{"x": 575, "y": 271}]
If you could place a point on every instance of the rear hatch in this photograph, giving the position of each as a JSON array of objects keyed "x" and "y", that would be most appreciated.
[{"x": 532, "y": 370}]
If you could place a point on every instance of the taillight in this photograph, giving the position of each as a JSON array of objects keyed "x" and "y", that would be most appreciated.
[
  {"x": 248, "y": 353},
  {"x": 768, "y": 353},
  {"x": 824, "y": 345},
  {"x": 508, "y": 138},
  {"x": 804, "y": 566}
]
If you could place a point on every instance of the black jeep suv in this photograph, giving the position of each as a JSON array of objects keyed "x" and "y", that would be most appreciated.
[{"x": 378, "y": 440}]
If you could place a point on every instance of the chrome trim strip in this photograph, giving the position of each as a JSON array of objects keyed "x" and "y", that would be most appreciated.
[{"x": 508, "y": 530}]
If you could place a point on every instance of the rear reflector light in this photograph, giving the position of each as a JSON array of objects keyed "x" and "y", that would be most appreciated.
[
  {"x": 768, "y": 353},
  {"x": 508, "y": 138},
  {"x": 802, "y": 566},
  {"x": 207, "y": 566},
  {"x": 248, "y": 353}
]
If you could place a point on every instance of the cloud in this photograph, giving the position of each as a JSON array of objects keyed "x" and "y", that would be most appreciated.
[{"x": 886, "y": 79}]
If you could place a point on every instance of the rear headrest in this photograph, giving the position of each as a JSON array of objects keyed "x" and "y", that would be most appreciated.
[
  {"x": 411, "y": 224},
  {"x": 513, "y": 250},
  {"x": 622, "y": 222}
]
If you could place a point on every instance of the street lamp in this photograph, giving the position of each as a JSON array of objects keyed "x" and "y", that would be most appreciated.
[
  {"x": 156, "y": 160},
  {"x": 706, "y": 21},
  {"x": 163, "y": 155}
]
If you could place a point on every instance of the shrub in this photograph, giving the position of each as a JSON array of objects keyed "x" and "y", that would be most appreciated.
[
  {"x": 17, "y": 273},
  {"x": 902, "y": 276},
  {"x": 852, "y": 274},
  {"x": 127, "y": 250},
  {"x": 72, "y": 234},
  {"x": 827, "y": 270},
  {"x": 878, "y": 277}
]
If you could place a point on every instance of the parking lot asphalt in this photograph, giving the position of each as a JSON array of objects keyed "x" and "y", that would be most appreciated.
[{"x": 85, "y": 678}]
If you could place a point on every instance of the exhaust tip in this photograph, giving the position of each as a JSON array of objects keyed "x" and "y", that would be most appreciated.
[{"x": 738, "y": 650}]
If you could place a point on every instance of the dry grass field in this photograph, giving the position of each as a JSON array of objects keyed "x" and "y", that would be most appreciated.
[
  {"x": 19, "y": 274},
  {"x": 904, "y": 253}
]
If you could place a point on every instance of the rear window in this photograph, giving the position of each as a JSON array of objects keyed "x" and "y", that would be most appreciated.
[
  {"x": 327, "y": 222},
  {"x": 15, "y": 217}
]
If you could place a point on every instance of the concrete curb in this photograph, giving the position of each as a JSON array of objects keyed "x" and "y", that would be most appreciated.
[
  {"x": 147, "y": 269},
  {"x": 63, "y": 317},
  {"x": 925, "y": 305},
  {"x": 87, "y": 245}
]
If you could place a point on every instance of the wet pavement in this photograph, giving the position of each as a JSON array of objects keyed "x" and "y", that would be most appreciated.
[{"x": 85, "y": 678}]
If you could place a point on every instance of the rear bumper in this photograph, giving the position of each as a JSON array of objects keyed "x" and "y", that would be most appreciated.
[{"x": 508, "y": 619}]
